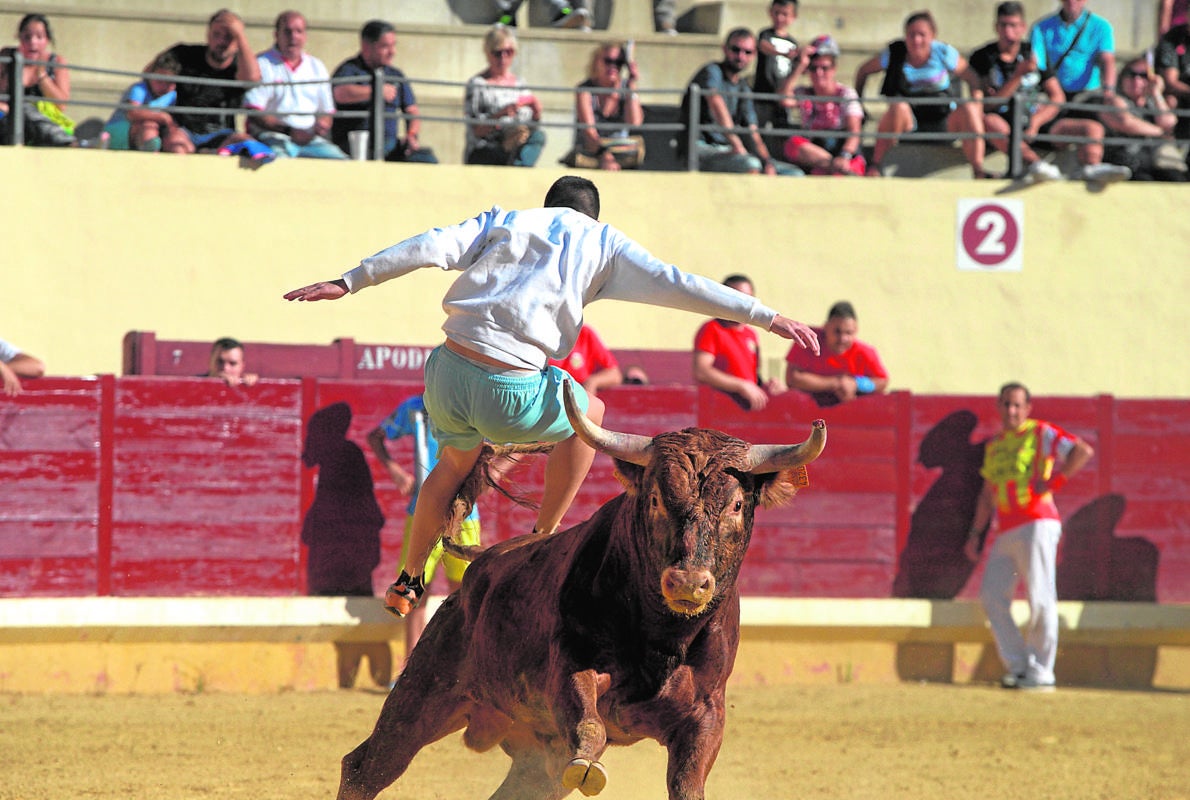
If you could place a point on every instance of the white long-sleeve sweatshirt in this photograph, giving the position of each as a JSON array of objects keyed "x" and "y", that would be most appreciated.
[{"x": 526, "y": 276}]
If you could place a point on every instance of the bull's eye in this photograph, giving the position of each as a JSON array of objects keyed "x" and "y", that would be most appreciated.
[{"x": 737, "y": 506}]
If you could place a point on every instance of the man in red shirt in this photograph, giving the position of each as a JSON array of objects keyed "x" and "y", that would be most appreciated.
[
  {"x": 845, "y": 369},
  {"x": 590, "y": 362},
  {"x": 727, "y": 357},
  {"x": 1021, "y": 473}
]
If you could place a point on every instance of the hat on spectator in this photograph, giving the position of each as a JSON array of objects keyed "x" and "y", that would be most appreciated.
[{"x": 825, "y": 46}]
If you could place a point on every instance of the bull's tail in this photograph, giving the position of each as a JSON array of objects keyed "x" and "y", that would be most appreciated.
[{"x": 491, "y": 466}]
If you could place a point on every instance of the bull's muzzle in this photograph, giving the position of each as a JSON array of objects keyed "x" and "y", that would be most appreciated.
[{"x": 687, "y": 591}]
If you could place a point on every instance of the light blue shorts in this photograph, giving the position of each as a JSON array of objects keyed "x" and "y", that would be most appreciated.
[{"x": 468, "y": 403}]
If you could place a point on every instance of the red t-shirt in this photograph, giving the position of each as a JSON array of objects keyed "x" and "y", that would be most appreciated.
[
  {"x": 736, "y": 348},
  {"x": 859, "y": 359},
  {"x": 589, "y": 355}
]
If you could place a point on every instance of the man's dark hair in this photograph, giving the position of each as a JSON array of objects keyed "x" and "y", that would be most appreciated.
[
  {"x": 793, "y": 3},
  {"x": 374, "y": 29},
  {"x": 1010, "y": 8},
  {"x": 738, "y": 33},
  {"x": 225, "y": 343},
  {"x": 1013, "y": 386},
  {"x": 572, "y": 191},
  {"x": 735, "y": 279},
  {"x": 842, "y": 309}
]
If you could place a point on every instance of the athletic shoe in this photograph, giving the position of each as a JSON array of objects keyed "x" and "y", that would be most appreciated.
[
  {"x": 573, "y": 18},
  {"x": 1105, "y": 173},
  {"x": 1011, "y": 681},
  {"x": 404, "y": 595},
  {"x": 1042, "y": 171},
  {"x": 1026, "y": 684}
]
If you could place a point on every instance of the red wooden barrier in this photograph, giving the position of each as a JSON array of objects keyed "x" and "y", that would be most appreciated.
[{"x": 181, "y": 486}]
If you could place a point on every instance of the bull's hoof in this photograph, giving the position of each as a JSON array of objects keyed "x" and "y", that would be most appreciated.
[{"x": 589, "y": 777}]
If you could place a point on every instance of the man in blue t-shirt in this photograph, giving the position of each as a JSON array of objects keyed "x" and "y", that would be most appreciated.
[{"x": 377, "y": 46}]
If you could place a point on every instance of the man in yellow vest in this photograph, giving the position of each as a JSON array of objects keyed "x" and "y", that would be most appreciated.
[{"x": 1023, "y": 465}]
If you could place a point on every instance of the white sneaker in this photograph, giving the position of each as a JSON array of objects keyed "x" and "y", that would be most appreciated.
[
  {"x": 1034, "y": 685},
  {"x": 1105, "y": 173},
  {"x": 573, "y": 18},
  {"x": 1041, "y": 171}
]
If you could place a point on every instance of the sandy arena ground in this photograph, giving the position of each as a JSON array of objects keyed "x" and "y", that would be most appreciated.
[{"x": 917, "y": 742}]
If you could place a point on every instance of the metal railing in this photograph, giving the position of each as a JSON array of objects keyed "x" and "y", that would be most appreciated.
[{"x": 690, "y": 128}]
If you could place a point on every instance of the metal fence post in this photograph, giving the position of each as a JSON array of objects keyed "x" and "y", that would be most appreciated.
[
  {"x": 1016, "y": 113},
  {"x": 692, "y": 131},
  {"x": 16, "y": 90},
  {"x": 376, "y": 144}
]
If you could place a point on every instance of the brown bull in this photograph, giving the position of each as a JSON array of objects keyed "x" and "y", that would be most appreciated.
[{"x": 622, "y": 628}]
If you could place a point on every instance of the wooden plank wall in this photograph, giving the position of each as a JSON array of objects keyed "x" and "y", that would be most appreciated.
[{"x": 160, "y": 486}]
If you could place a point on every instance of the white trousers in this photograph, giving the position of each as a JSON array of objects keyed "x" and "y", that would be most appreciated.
[{"x": 1026, "y": 553}]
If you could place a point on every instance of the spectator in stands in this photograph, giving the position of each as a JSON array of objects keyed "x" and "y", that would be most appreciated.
[
  {"x": 1153, "y": 155},
  {"x": 411, "y": 419},
  {"x": 1173, "y": 65},
  {"x": 563, "y": 14},
  {"x": 39, "y": 130},
  {"x": 227, "y": 363},
  {"x": 14, "y": 365},
  {"x": 845, "y": 369},
  {"x": 727, "y": 357},
  {"x": 776, "y": 55},
  {"x": 841, "y": 117},
  {"x": 1171, "y": 14},
  {"x": 1078, "y": 47},
  {"x": 590, "y": 362},
  {"x": 377, "y": 47},
  {"x": 1021, "y": 475},
  {"x": 1001, "y": 69},
  {"x": 918, "y": 67},
  {"x": 725, "y": 102},
  {"x": 607, "y": 99},
  {"x": 295, "y": 94},
  {"x": 47, "y": 84},
  {"x": 225, "y": 56},
  {"x": 665, "y": 17},
  {"x": 141, "y": 128},
  {"x": 501, "y": 111}
]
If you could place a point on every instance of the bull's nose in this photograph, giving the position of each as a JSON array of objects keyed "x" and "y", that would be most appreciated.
[{"x": 687, "y": 591}]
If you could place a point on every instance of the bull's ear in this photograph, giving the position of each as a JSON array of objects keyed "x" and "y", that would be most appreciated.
[
  {"x": 629, "y": 475},
  {"x": 778, "y": 488}
]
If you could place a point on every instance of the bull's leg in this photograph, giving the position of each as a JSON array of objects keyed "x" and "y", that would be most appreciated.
[
  {"x": 534, "y": 774},
  {"x": 424, "y": 705},
  {"x": 693, "y": 749},
  {"x": 578, "y": 717}
]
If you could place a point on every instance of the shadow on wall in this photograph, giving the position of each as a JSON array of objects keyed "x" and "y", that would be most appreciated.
[
  {"x": 933, "y": 565},
  {"x": 341, "y": 531}
]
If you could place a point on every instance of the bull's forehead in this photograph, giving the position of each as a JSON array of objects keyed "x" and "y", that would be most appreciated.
[{"x": 698, "y": 463}]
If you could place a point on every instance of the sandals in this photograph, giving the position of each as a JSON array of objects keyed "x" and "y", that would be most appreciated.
[{"x": 404, "y": 595}]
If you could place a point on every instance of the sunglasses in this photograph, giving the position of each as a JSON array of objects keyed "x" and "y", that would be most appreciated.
[
  {"x": 821, "y": 67},
  {"x": 1134, "y": 74},
  {"x": 743, "y": 51},
  {"x": 507, "y": 51},
  {"x": 613, "y": 62}
]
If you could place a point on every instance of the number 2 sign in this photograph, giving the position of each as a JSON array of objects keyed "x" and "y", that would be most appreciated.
[{"x": 990, "y": 235}]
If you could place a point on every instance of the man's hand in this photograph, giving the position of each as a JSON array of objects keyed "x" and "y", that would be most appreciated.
[
  {"x": 971, "y": 549},
  {"x": 323, "y": 290},
  {"x": 799, "y": 332}
]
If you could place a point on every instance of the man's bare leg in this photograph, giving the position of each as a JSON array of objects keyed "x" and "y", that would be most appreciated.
[
  {"x": 433, "y": 502},
  {"x": 565, "y": 471}
]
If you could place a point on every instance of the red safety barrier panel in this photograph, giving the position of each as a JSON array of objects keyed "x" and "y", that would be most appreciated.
[{"x": 182, "y": 486}]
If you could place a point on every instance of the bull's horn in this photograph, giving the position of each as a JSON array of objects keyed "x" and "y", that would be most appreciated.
[
  {"x": 776, "y": 457},
  {"x": 628, "y": 447}
]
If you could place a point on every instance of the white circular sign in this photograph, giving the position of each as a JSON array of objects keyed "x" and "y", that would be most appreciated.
[{"x": 989, "y": 235}]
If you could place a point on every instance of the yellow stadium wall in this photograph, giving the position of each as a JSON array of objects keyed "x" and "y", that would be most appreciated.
[{"x": 99, "y": 243}]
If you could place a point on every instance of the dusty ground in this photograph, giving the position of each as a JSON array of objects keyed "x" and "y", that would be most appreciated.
[{"x": 918, "y": 742}]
